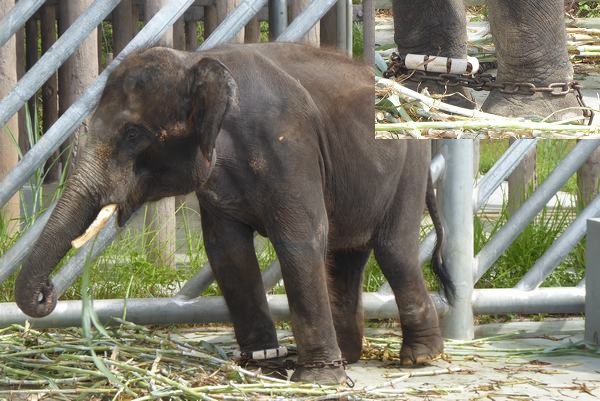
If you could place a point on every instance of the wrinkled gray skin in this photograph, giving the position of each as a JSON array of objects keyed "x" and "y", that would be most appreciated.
[
  {"x": 276, "y": 139},
  {"x": 530, "y": 41}
]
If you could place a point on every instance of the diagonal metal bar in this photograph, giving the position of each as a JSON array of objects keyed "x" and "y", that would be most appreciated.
[
  {"x": 233, "y": 23},
  {"x": 90, "y": 251},
  {"x": 73, "y": 117},
  {"x": 54, "y": 57},
  {"x": 536, "y": 202},
  {"x": 16, "y": 18},
  {"x": 15, "y": 255},
  {"x": 504, "y": 167},
  {"x": 306, "y": 20},
  {"x": 560, "y": 249}
]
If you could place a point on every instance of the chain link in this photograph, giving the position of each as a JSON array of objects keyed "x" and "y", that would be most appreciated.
[{"x": 481, "y": 81}]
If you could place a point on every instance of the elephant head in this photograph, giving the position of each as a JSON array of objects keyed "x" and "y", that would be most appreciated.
[{"x": 152, "y": 135}]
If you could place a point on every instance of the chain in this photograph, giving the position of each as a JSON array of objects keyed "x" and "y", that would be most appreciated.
[
  {"x": 276, "y": 364},
  {"x": 481, "y": 81}
]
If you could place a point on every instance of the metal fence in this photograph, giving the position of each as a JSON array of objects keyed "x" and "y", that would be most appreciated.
[{"x": 452, "y": 167}]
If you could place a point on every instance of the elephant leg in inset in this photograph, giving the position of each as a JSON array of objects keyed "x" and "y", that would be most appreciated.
[
  {"x": 230, "y": 249},
  {"x": 531, "y": 46},
  {"x": 433, "y": 28},
  {"x": 345, "y": 284}
]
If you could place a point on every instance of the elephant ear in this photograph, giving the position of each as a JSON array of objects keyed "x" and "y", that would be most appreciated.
[{"x": 213, "y": 92}]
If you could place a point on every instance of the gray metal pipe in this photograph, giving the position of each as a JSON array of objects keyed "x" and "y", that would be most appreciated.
[
  {"x": 437, "y": 167},
  {"x": 10, "y": 260},
  {"x": 592, "y": 286},
  {"x": 341, "y": 11},
  {"x": 306, "y": 20},
  {"x": 542, "y": 300},
  {"x": 72, "y": 118},
  {"x": 233, "y": 23},
  {"x": 560, "y": 249},
  {"x": 349, "y": 25},
  {"x": 196, "y": 285},
  {"x": 17, "y": 17},
  {"x": 457, "y": 208},
  {"x": 278, "y": 18},
  {"x": 272, "y": 275},
  {"x": 177, "y": 311},
  {"x": 532, "y": 206},
  {"x": 54, "y": 57},
  {"x": 213, "y": 309},
  {"x": 504, "y": 167}
]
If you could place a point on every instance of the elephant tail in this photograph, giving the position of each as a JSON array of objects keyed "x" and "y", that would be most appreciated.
[{"x": 437, "y": 261}]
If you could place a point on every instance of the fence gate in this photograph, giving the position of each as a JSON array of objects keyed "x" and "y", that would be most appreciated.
[{"x": 452, "y": 168}]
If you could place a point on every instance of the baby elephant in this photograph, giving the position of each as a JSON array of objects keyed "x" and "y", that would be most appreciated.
[{"x": 276, "y": 139}]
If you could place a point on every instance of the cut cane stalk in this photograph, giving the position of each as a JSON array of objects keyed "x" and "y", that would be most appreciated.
[{"x": 98, "y": 224}]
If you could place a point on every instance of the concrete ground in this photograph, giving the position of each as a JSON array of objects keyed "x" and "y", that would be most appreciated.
[{"x": 512, "y": 368}]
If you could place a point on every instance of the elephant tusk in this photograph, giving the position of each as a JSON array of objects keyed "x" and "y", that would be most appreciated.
[{"x": 98, "y": 224}]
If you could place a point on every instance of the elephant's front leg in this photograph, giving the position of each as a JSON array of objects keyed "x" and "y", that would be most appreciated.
[
  {"x": 433, "y": 28},
  {"x": 531, "y": 46},
  {"x": 300, "y": 243},
  {"x": 230, "y": 249}
]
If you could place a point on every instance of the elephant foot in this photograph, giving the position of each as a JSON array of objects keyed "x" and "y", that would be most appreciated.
[
  {"x": 326, "y": 376},
  {"x": 275, "y": 368},
  {"x": 536, "y": 107},
  {"x": 421, "y": 349}
]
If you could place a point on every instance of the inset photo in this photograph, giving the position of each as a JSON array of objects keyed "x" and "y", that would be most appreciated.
[{"x": 500, "y": 70}]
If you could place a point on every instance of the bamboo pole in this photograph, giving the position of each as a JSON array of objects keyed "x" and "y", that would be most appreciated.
[
  {"x": 31, "y": 57},
  {"x": 123, "y": 22},
  {"x": 588, "y": 180},
  {"x": 328, "y": 31},
  {"x": 21, "y": 69},
  {"x": 50, "y": 88},
  {"x": 313, "y": 35},
  {"x": 160, "y": 223},
  {"x": 521, "y": 181},
  {"x": 191, "y": 35},
  {"x": 9, "y": 135},
  {"x": 210, "y": 20},
  {"x": 77, "y": 73},
  {"x": 179, "y": 34},
  {"x": 252, "y": 31},
  {"x": 224, "y": 8}
]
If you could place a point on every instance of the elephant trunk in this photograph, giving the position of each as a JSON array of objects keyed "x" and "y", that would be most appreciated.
[{"x": 76, "y": 209}]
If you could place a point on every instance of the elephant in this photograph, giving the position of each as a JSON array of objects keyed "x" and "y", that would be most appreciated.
[
  {"x": 531, "y": 48},
  {"x": 275, "y": 139}
]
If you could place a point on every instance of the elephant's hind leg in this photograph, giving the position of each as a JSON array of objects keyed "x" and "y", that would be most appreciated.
[
  {"x": 345, "y": 285},
  {"x": 422, "y": 340},
  {"x": 531, "y": 46}
]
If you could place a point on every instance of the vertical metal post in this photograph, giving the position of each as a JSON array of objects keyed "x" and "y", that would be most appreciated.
[
  {"x": 341, "y": 15},
  {"x": 349, "y": 20},
  {"x": 277, "y": 18},
  {"x": 457, "y": 198},
  {"x": 592, "y": 282},
  {"x": 369, "y": 31}
]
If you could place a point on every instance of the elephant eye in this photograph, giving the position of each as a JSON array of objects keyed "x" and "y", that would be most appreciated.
[{"x": 131, "y": 133}]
